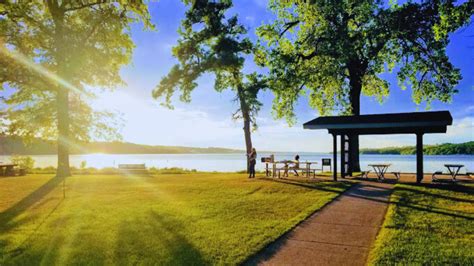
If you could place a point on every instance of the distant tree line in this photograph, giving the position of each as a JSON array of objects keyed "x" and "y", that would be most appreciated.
[
  {"x": 15, "y": 145},
  {"x": 441, "y": 149}
]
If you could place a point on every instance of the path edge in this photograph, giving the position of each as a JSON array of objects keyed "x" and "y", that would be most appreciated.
[{"x": 254, "y": 258}]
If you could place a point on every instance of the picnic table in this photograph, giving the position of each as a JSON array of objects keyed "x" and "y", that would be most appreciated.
[
  {"x": 454, "y": 169},
  {"x": 307, "y": 170},
  {"x": 6, "y": 169},
  {"x": 133, "y": 168},
  {"x": 380, "y": 169}
]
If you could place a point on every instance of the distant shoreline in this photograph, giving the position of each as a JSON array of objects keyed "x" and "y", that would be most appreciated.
[
  {"x": 15, "y": 146},
  {"x": 466, "y": 148}
]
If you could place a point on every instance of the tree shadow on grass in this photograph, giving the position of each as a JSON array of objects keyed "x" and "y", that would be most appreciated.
[
  {"x": 8, "y": 221},
  {"x": 35, "y": 196},
  {"x": 80, "y": 246},
  {"x": 156, "y": 239},
  {"x": 371, "y": 193},
  {"x": 426, "y": 207},
  {"x": 454, "y": 188},
  {"x": 459, "y": 188},
  {"x": 323, "y": 185}
]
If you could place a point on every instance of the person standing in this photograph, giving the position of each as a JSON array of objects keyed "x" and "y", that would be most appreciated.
[{"x": 252, "y": 160}]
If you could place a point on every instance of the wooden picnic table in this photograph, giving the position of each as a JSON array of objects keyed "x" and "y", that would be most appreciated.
[
  {"x": 6, "y": 169},
  {"x": 308, "y": 167},
  {"x": 286, "y": 163},
  {"x": 454, "y": 169},
  {"x": 380, "y": 169}
]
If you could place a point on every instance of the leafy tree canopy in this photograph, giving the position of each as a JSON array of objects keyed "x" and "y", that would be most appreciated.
[
  {"x": 46, "y": 46},
  {"x": 213, "y": 43},
  {"x": 335, "y": 50}
]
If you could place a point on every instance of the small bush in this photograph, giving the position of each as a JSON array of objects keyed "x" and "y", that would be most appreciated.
[
  {"x": 25, "y": 162},
  {"x": 172, "y": 170}
]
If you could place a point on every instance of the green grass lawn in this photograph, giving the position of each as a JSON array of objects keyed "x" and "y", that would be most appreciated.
[
  {"x": 428, "y": 226},
  {"x": 194, "y": 218}
]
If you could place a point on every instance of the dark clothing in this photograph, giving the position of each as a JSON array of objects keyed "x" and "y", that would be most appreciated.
[
  {"x": 252, "y": 171},
  {"x": 252, "y": 162}
]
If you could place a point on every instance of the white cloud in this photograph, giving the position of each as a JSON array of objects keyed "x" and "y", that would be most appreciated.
[{"x": 462, "y": 130}]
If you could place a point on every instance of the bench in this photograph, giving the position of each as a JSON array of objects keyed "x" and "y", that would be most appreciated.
[
  {"x": 133, "y": 168},
  {"x": 397, "y": 175},
  {"x": 433, "y": 176},
  {"x": 365, "y": 174},
  {"x": 303, "y": 170}
]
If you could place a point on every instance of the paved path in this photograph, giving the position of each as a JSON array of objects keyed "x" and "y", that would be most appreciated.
[{"x": 342, "y": 233}]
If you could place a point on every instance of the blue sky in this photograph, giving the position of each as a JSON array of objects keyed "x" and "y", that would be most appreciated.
[{"x": 206, "y": 121}]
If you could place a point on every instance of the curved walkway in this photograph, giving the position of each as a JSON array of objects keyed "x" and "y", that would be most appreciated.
[{"x": 342, "y": 233}]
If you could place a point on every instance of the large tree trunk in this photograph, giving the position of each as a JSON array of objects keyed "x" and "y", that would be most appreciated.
[
  {"x": 247, "y": 127},
  {"x": 355, "y": 83},
  {"x": 63, "y": 133},
  {"x": 62, "y": 95}
]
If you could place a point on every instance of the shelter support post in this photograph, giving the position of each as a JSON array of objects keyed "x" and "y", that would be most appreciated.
[
  {"x": 343, "y": 156},
  {"x": 350, "y": 163},
  {"x": 419, "y": 157},
  {"x": 334, "y": 156}
]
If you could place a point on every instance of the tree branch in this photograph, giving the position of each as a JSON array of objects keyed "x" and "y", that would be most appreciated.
[
  {"x": 84, "y": 5},
  {"x": 288, "y": 26},
  {"x": 422, "y": 78}
]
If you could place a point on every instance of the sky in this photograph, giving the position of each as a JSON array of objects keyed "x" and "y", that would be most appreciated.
[{"x": 206, "y": 121}]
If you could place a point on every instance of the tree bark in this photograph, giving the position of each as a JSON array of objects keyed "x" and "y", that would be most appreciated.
[
  {"x": 355, "y": 82},
  {"x": 62, "y": 93},
  {"x": 247, "y": 128},
  {"x": 63, "y": 133}
]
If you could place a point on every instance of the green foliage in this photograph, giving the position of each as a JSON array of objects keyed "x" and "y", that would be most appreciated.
[
  {"x": 169, "y": 219},
  {"x": 449, "y": 148},
  {"x": 47, "y": 47},
  {"x": 213, "y": 43},
  {"x": 441, "y": 149},
  {"x": 113, "y": 171},
  {"x": 332, "y": 51},
  {"x": 25, "y": 162},
  {"x": 427, "y": 226}
]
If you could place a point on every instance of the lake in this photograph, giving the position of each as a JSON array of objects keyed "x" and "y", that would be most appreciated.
[{"x": 236, "y": 162}]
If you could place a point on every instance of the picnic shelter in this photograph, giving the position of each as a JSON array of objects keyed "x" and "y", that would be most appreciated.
[{"x": 417, "y": 123}]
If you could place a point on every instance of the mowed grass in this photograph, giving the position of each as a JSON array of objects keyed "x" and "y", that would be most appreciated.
[
  {"x": 427, "y": 226},
  {"x": 164, "y": 219}
]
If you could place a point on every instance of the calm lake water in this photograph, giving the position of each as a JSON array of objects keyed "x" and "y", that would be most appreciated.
[{"x": 236, "y": 162}]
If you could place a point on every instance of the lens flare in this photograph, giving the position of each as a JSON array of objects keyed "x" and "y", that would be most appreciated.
[{"x": 28, "y": 63}]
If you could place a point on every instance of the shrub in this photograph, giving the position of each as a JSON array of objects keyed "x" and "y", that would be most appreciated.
[{"x": 25, "y": 162}]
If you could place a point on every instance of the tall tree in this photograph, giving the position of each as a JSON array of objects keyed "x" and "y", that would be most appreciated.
[
  {"x": 51, "y": 52},
  {"x": 212, "y": 43},
  {"x": 335, "y": 51}
]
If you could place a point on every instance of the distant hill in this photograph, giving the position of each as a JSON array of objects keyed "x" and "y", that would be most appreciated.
[
  {"x": 440, "y": 149},
  {"x": 12, "y": 145}
]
